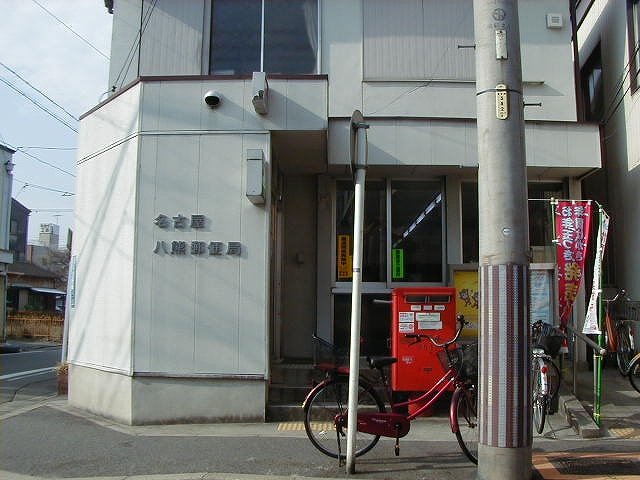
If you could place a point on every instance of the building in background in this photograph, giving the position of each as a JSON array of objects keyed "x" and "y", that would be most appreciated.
[
  {"x": 34, "y": 281},
  {"x": 214, "y": 213},
  {"x": 608, "y": 46},
  {"x": 6, "y": 257}
]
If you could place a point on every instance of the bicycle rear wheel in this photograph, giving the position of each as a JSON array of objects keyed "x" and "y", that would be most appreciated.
[
  {"x": 624, "y": 352},
  {"x": 468, "y": 434},
  {"x": 539, "y": 398},
  {"x": 553, "y": 385},
  {"x": 326, "y": 432},
  {"x": 634, "y": 375}
]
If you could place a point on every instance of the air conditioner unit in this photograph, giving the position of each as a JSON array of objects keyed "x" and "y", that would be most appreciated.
[{"x": 260, "y": 89}]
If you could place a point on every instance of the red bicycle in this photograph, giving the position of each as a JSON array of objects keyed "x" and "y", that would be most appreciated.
[{"x": 325, "y": 407}]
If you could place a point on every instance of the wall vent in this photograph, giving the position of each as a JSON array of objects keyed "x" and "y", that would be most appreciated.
[{"x": 554, "y": 20}]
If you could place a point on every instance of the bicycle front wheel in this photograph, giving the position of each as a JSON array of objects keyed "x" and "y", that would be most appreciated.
[
  {"x": 634, "y": 375},
  {"x": 325, "y": 418},
  {"x": 468, "y": 433},
  {"x": 539, "y": 398},
  {"x": 623, "y": 353}
]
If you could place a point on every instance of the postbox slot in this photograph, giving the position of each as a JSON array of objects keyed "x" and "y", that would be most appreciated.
[
  {"x": 439, "y": 299},
  {"x": 427, "y": 299}
]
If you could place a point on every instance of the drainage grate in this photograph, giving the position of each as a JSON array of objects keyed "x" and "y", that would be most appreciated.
[
  {"x": 625, "y": 432},
  {"x": 594, "y": 465}
]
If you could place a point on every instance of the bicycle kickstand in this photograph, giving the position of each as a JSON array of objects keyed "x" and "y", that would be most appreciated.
[{"x": 397, "y": 446}]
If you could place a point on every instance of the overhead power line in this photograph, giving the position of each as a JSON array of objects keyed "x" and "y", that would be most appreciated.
[
  {"x": 33, "y": 185},
  {"x": 38, "y": 104},
  {"x": 24, "y": 152},
  {"x": 75, "y": 117},
  {"x": 71, "y": 29}
]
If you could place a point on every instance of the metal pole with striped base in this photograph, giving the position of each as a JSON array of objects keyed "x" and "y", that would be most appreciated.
[{"x": 504, "y": 448}]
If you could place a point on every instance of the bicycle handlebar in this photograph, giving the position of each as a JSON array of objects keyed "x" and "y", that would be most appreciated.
[
  {"x": 620, "y": 291},
  {"x": 419, "y": 336}
]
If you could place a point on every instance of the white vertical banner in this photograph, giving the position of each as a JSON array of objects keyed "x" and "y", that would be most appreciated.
[{"x": 591, "y": 319}]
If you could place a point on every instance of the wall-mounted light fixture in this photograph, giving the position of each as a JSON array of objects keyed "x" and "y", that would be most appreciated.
[
  {"x": 8, "y": 165},
  {"x": 260, "y": 93},
  {"x": 255, "y": 176},
  {"x": 212, "y": 99}
]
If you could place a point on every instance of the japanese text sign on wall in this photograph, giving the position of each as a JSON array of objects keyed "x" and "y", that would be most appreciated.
[
  {"x": 181, "y": 224},
  {"x": 573, "y": 222}
]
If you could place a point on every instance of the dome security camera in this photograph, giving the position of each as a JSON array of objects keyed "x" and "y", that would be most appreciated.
[{"x": 212, "y": 99}]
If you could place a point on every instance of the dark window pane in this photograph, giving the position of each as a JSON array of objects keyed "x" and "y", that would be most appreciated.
[
  {"x": 470, "y": 226},
  {"x": 540, "y": 220},
  {"x": 374, "y": 241},
  {"x": 235, "y": 37},
  {"x": 375, "y": 323},
  {"x": 416, "y": 231},
  {"x": 291, "y": 36}
]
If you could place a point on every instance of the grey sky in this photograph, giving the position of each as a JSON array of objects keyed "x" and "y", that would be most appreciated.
[{"x": 61, "y": 54}]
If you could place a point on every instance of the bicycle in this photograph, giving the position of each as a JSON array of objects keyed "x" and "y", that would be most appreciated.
[
  {"x": 325, "y": 407},
  {"x": 633, "y": 372},
  {"x": 545, "y": 374},
  {"x": 619, "y": 333}
]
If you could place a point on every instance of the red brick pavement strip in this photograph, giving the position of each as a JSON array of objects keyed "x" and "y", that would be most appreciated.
[{"x": 587, "y": 466}]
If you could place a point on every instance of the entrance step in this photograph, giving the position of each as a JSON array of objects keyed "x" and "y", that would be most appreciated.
[{"x": 290, "y": 383}]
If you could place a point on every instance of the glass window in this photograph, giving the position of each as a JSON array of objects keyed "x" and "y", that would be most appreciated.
[
  {"x": 633, "y": 22},
  {"x": 540, "y": 221},
  {"x": 592, "y": 87},
  {"x": 235, "y": 36},
  {"x": 416, "y": 231},
  {"x": 375, "y": 323},
  {"x": 374, "y": 232},
  {"x": 290, "y": 36},
  {"x": 288, "y": 44}
]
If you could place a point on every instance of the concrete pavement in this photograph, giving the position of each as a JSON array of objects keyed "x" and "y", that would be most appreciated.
[{"x": 42, "y": 437}]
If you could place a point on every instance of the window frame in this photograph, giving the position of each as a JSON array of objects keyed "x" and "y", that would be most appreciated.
[
  {"x": 208, "y": 40},
  {"x": 341, "y": 287}
]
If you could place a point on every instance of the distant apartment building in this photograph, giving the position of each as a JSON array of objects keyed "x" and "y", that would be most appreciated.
[{"x": 214, "y": 211}]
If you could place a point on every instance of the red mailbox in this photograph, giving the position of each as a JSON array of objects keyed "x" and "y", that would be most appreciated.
[{"x": 427, "y": 311}]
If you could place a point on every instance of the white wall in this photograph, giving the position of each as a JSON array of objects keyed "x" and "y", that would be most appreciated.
[
  {"x": 201, "y": 314},
  {"x": 546, "y": 58},
  {"x": 606, "y": 23},
  {"x": 104, "y": 231},
  {"x": 438, "y": 143}
]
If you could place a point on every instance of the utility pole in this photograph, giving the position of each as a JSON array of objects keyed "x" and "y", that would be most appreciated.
[{"x": 504, "y": 449}]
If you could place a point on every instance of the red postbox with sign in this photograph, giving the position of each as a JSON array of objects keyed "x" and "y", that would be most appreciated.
[{"x": 426, "y": 311}]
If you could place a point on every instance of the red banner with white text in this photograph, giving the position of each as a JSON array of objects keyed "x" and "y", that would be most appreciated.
[{"x": 573, "y": 221}]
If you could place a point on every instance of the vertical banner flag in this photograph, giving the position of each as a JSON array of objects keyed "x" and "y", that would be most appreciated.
[
  {"x": 573, "y": 221},
  {"x": 591, "y": 325}
]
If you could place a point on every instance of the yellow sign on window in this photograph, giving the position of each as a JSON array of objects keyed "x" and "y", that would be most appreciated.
[{"x": 344, "y": 258}]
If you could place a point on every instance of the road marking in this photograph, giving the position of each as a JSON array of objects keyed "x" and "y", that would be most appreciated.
[
  {"x": 299, "y": 426},
  {"x": 28, "y": 373}
]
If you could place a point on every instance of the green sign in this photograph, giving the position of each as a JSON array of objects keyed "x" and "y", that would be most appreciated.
[{"x": 397, "y": 263}]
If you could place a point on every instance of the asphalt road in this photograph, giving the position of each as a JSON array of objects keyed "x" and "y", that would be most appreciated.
[{"x": 28, "y": 373}]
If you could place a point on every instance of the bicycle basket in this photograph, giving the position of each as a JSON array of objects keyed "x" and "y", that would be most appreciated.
[
  {"x": 550, "y": 340},
  {"x": 629, "y": 310},
  {"x": 455, "y": 360},
  {"x": 327, "y": 356}
]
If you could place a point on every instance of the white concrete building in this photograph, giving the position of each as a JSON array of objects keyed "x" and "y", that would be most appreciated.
[
  {"x": 608, "y": 43},
  {"x": 210, "y": 242}
]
